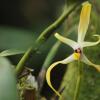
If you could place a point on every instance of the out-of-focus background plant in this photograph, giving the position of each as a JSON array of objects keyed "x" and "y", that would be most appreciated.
[{"x": 21, "y": 23}]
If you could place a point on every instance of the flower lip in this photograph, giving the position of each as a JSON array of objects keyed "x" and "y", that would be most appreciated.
[{"x": 77, "y": 54}]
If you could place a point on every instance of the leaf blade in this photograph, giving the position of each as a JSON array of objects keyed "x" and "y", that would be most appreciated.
[{"x": 11, "y": 52}]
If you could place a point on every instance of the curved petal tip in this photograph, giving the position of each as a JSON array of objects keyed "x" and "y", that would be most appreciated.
[{"x": 48, "y": 77}]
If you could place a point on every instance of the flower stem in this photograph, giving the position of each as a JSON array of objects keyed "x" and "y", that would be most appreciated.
[
  {"x": 43, "y": 37},
  {"x": 78, "y": 82}
]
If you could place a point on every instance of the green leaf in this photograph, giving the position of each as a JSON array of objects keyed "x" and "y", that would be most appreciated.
[
  {"x": 11, "y": 37},
  {"x": 89, "y": 82},
  {"x": 69, "y": 81},
  {"x": 11, "y": 52},
  {"x": 8, "y": 87}
]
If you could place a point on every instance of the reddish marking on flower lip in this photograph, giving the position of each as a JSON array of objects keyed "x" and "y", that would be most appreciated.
[{"x": 78, "y": 51}]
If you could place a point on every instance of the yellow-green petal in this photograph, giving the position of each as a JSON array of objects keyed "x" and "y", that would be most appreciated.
[
  {"x": 88, "y": 62},
  {"x": 86, "y": 44},
  {"x": 65, "y": 61},
  {"x": 68, "y": 59},
  {"x": 67, "y": 41},
  {"x": 84, "y": 21},
  {"x": 48, "y": 77}
]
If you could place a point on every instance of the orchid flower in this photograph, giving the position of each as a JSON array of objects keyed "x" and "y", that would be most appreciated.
[{"x": 77, "y": 46}]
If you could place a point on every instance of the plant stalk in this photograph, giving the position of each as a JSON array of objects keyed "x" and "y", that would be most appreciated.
[
  {"x": 43, "y": 37},
  {"x": 78, "y": 83}
]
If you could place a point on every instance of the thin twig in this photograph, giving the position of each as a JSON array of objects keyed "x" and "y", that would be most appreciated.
[{"x": 47, "y": 63}]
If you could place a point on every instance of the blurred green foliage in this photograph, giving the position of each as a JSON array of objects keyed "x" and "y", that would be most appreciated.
[
  {"x": 15, "y": 38},
  {"x": 20, "y": 31},
  {"x": 8, "y": 89}
]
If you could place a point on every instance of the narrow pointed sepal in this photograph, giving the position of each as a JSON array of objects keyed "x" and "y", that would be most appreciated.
[
  {"x": 88, "y": 62},
  {"x": 48, "y": 77},
  {"x": 86, "y": 44},
  {"x": 67, "y": 41},
  {"x": 69, "y": 59},
  {"x": 84, "y": 21}
]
